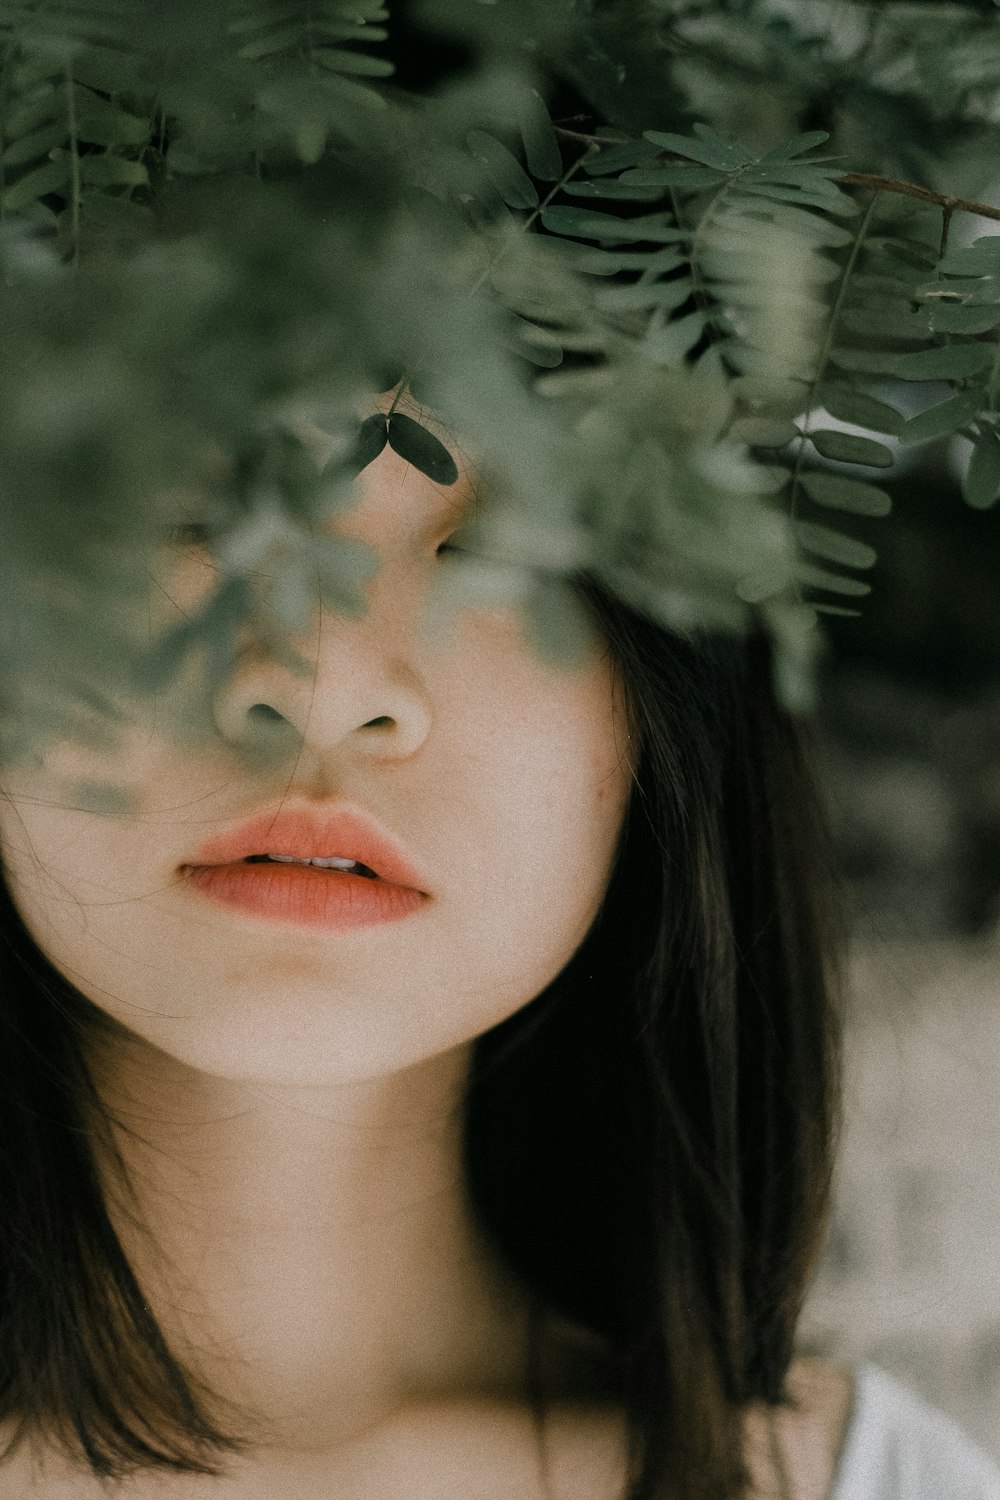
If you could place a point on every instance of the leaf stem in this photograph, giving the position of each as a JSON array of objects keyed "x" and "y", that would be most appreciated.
[
  {"x": 557, "y": 187},
  {"x": 824, "y": 353},
  {"x": 74, "y": 165}
]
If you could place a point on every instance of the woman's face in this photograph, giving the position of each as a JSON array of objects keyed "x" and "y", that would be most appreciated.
[{"x": 504, "y": 778}]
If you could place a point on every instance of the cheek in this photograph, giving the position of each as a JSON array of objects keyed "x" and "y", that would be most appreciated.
[{"x": 546, "y": 791}]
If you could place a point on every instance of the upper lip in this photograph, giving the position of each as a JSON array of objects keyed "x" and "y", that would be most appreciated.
[{"x": 311, "y": 834}]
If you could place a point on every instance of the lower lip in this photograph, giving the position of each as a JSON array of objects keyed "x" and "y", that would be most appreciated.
[{"x": 305, "y": 895}]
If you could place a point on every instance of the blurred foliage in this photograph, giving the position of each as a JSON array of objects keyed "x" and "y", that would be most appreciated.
[{"x": 664, "y": 328}]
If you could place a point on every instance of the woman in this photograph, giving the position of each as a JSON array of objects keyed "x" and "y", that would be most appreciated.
[{"x": 501, "y": 1173}]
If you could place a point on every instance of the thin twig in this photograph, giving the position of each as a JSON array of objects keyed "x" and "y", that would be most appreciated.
[
  {"x": 912, "y": 190},
  {"x": 578, "y": 135}
]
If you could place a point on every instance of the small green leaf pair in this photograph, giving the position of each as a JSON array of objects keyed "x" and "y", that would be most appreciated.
[{"x": 407, "y": 438}]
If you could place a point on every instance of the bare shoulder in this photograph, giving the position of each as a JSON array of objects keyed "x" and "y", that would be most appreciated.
[
  {"x": 16, "y": 1473},
  {"x": 36, "y": 1471},
  {"x": 808, "y": 1435}
]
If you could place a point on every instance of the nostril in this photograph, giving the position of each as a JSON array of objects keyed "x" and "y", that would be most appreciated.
[{"x": 382, "y": 719}]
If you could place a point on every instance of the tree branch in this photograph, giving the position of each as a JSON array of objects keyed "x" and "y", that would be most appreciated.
[{"x": 912, "y": 190}]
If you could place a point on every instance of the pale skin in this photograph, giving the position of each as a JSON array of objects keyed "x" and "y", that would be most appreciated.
[{"x": 303, "y": 1235}]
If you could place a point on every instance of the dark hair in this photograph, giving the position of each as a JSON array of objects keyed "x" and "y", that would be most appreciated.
[{"x": 649, "y": 1142}]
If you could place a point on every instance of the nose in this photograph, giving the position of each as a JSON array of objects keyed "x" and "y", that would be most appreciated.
[{"x": 350, "y": 688}]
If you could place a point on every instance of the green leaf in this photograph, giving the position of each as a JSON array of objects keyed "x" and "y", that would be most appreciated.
[
  {"x": 503, "y": 169},
  {"x": 102, "y": 124},
  {"x": 33, "y": 113},
  {"x": 866, "y": 361},
  {"x": 539, "y": 345},
  {"x": 812, "y": 226},
  {"x": 761, "y": 432},
  {"x": 669, "y": 294},
  {"x": 39, "y": 143},
  {"x": 707, "y": 148},
  {"x": 886, "y": 320},
  {"x": 796, "y": 146},
  {"x": 106, "y": 170},
  {"x": 422, "y": 449},
  {"x": 848, "y": 448},
  {"x": 834, "y": 583},
  {"x": 587, "y": 223},
  {"x": 359, "y": 64},
  {"x": 541, "y": 145},
  {"x": 771, "y": 398},
  {"x": 557, "y": 622},
  {"x": 616, "y": 158},
  {"x": 669, "y": 345},
  {"x": 310, "y": 141},
  {"x": 710, "y": 138},
  {"x": 795, "y": 174},
  {"x": 946, "y": 362},
  {"x": 850, "y": 405},
  {"x": 837, "y": 492},
  {"x": 609, "y": 262},
  {"x": 344, "y": 565},
  {"x": 673, "y": 174},
  {"x": 962, "y": 290},
  {"x": 834, "y": 546},
  {"x": 373, "y": 434},
  {"x": 835, "y": 202},
  {"x": 609, "y": 190},
  {"x": 52, "y": 178},
  {"x": 905, "y": 249},
  {"x": 981, "y": 483},
  {"x": 981, "y": 258},
  {"x": 952, "y": 317},
  {"x": 944, "y": 418}
]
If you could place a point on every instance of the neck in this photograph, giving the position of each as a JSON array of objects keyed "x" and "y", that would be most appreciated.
[{"x": 307, "y": 1251}]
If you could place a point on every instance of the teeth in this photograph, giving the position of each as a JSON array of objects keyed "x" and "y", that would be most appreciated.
[{"x": 333, "y": 863}]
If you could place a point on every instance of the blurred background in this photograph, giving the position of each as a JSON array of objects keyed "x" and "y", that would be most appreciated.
[{"x": 910, "y": 734}]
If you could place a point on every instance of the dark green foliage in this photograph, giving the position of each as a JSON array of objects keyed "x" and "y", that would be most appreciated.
[
  {"x": 421, "y": 448},
  {"x": 223, "y": 227}
]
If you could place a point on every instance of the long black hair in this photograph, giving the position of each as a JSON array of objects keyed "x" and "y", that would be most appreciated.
[
  {"x": 649, "y": 1142},
  {"x": 652, "y": 1140}
]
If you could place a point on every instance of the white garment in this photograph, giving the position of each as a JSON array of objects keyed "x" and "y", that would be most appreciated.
[{"x": 899, "y": 1448}]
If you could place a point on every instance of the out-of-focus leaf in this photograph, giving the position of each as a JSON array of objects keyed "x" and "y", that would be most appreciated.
[
  {"x": 834, "y": 583},
  {"x": 673, "y": 174},
  {"x": 589, "y": 224},
  {"x": 941, "y": 420},
  {"x": 981, "y": 482},
  {"x": 838, "y": 492},
  {"x": 51, "y": 178},
  {"x": 373, "y": 434},
  {"x": 834, "y": 546},
  {"x": 948, "y": 362},
  {"x": 951, "y": 317},
  {"x": 708, "y": 148},
  {"x": 848, "y": 404},
  {"x": 848, "y": 448},
  {"x": 505, "y": 171},
  {"x": 760, "y": 432},
  {"x": 107, "y": 170},
  {"x": 541, "y": 146},
  {"x": 796, "y": 146}
]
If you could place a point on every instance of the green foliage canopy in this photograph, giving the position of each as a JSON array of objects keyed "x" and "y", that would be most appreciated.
[{"x": 223, "y": 227}]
